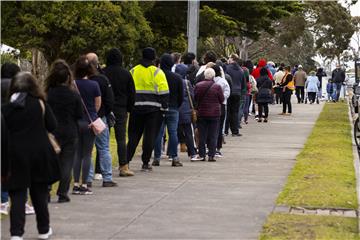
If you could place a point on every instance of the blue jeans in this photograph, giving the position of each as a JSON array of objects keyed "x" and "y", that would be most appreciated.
[
  {"x": 4, "y": 196},
  {"x": 337, "y": 89},
  {"x": 241, "y": 109},
  {"x": 102, "y": 147},
  {"x": 171, "y": 120}
]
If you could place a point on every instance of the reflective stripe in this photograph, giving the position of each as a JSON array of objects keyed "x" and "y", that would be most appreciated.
[
  {"x": 163, "y": 92},
  {"x": 152, "y": 92},
  {"x": 156, "y": 72},
  {"x": 147, "y": 103}
]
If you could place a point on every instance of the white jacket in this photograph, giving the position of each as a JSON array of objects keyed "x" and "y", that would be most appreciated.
[{"x": 224, "y": 86}]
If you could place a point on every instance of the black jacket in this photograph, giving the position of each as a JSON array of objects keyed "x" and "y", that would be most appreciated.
[
  {"x": 338, "y": 76},
  {"x": 174, "y": 80},
  {"x": 67, "y": 107},
  {"x": 237, "y": 76},
  {"x": 5, "y": 85},
  {"x": 107, "y": 95},
  {"x": 264, "y": 84}
]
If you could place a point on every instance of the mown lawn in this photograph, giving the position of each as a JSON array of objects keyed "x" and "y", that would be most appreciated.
[{"x": 324, "y": 174}]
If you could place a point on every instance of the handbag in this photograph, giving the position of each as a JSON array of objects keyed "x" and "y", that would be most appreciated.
[
  {"x": 54, "y": 143},
  {"x": 98, "y": 126},
  {"x": 193, "y": 111}
]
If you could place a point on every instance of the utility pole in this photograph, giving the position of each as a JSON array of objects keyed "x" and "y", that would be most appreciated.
[{"x": 193, "y": 25}]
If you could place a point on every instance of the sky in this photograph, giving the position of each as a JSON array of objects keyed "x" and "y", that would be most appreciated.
[{"x": 355, "y": 9}]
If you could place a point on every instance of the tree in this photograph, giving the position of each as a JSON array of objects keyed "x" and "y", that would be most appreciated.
[{"x": 356, "y": 38}]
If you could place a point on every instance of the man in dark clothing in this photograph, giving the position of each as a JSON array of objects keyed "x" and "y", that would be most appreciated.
[
  {"x": 102, "y": 140},
  {"x": 124, "y": 92},
  {"x": 338, "y": 77},
  {"x": 193, "y": 67},
  {"x": 237, "y": 75},
  {"x": 320, "y": 73},
  {"x": 172, "y": 115}
]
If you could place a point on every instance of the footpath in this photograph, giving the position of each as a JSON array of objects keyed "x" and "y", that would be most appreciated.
[{"x": 227, "y": 199}]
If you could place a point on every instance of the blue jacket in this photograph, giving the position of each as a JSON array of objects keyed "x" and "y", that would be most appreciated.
[
  {"x": 312, "y": 84},
  {"x": 329, "y": 88},
  {"x": 185, "y": 108},
  {"x": 237, "y": 76}
]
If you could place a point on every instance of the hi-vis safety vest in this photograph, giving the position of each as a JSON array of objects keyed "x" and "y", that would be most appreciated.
[{"x": 150, "y": 83}]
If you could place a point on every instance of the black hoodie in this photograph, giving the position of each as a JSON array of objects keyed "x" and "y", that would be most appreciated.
[
  {"x": 121, "y": 81},
  {"x": 174, "y": 81}
]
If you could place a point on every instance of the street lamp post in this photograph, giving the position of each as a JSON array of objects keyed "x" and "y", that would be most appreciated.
[{"x": 193, "y": 25}]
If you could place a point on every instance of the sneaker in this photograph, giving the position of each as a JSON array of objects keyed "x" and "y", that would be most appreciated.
[
  {"x": 265, "y": 120},
  {"x": 176, "y": 163},
  {"x": 156, "y": 163},
  {"x": 85, "y": 191},
  {"x": 98, "y": 177},
  {"x": 218, "y": 154},
  {"x": 16, "y": 238},
  {"x": 76, "y": 190},
  {"x": 109, "y": 184},
  {"x": 236, "y": 134},
  {"x": 29, "y": 210},
  {"x": 46, "y": 235},
  {"x": 260, "y": 120},
  {"x": 63, "y": 199},
  {"x": 146, "y": 168},
  {"x": 211, "y": 159},
  {"x": 170, "y": 159},
  {"x": 5, "y": 208},
  {"x": 197, "y": 158}
]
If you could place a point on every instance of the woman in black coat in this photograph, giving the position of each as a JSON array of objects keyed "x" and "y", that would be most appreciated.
[
  {"x": 66, "y": 104},
  {"x": 264, "y": 96},
  {"x": 32, "y": 161}
]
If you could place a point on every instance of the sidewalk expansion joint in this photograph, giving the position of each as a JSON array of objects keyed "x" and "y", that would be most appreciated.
[{"x": 341, "y": 212}]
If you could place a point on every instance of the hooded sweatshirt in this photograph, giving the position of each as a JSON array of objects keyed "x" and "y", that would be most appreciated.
[
  {"x": 238, "y": 78},
  {"x": 256, "y": 72},
  {"x": 121, "y": 81},
  {"x": 174, "y": 81}
]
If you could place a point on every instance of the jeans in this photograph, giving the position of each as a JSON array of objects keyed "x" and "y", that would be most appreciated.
[
  {"x": 337, "y": 89},
  {"x": 186, "y": 131},
  {"x": 171, "y": 120},
  {"x": 4, "y": 196},
  {"x": 83, "y": 156},
  {"x": 241, "y": 109},
  {"x": 103, "y": 150},
  {"x": 143, "y": 123},
  {"x": 263, "y": 107},
  {"x": 120, "y": 135},
  {"x": 300, "y": 93},
  {"x": 233, "y": 114},
  {"x": 39, "y": 197},
  {"x": 287, "y": 101},
  {"x": 67, "y": 156},
  {"x": 208, "y": 133},
  {"x": 246, "y": 107}
]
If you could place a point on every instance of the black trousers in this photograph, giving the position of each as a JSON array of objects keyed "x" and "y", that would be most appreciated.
[
  {"x": 233, "y": 110},
  {"x": 221, "y": 125},
  {"x": 312, "y": 96},
  {"x": 300, "y": 93},
  {"x": 121, "y": 116},
  {"x": 185, "y": 130},
  {"x": 263, "y": 108},
  {"x": 67, "y": 156},
  {"x": 147, "y": 124},
  {"x": 208, "y": 133},
  {"x": 287, "y": 101},
  {"x": 39, "y": 198}
]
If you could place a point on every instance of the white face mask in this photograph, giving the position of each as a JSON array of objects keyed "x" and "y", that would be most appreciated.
[{"x": 14, "y": 97}]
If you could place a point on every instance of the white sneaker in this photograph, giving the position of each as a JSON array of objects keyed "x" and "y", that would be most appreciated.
[
  {"x": 98, "y": 176},
  {"x": 16, "y": 238},
  {"x": 29, "y": 210},
  {"x": 196, "y": 158},
  {"x": 5, "y": 208},
  {"x": 46, "y": 235}
]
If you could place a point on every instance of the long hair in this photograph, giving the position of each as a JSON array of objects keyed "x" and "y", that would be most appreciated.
[
  {"x": 25, "y": 82},
  {"x": 60, "y": 74},
  {"x": 83, "y": 68}
]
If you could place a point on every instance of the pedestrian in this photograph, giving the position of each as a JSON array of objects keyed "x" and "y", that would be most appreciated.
[
  {"x": 338, "y": 78},
  {"x": 209, "y": 57},
  {"x": 278, "y": 78},
  {"x": 124, "y": 96},
  {"x": 171, "y": 118},
  {"x": 288, "y": 87},
  {"x": 320, "y": 73},
  {"x": 152, "y": 99},
  {"x": 271, "y": 66},
  {"x": 260, "y": 65},
  {"x": 209, "y": 97},
  {"x": 264, "y": 95},
  {"x": 312, "y": 85},
  {"x": 330, "y": 90},
  {"x": 299, "y": 81},
  {"x": 32, "y": 161},
  {"x": 193, "y": 67},
  {"x": 66, "y": 105},
  {"x": 91, "y": 98}
]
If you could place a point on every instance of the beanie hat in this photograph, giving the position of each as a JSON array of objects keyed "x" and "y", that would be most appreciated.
[{"x": 149, "y": 53}]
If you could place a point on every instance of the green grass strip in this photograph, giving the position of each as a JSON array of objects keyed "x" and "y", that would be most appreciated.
[
  {"x": 292, "y": 227},
  {"x": 324, "y": 174}
]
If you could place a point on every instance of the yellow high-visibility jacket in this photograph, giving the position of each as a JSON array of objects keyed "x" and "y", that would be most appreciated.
[{"x": 151, "y": 88}]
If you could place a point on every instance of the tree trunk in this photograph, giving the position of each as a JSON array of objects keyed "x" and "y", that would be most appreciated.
[{"x": 39, "y": 66}]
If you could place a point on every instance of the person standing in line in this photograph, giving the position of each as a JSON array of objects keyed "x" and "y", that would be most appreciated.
[
  {"x": 171, "y": 119},
  {"x": 32, "y": 161},
  {"x": 288, "y": 88},
  {"x": 209, "y": 57},
  {"x": 102, "y": 141},
  {"x": 66, "y": 105},
  {"x": 338, "y": 78},
  {"x": 151, "y": 100},
  {"x": 193, "y": 67},
  {"x": 264, "y": 96},
  {"x": 278, "y": 77},
  {"x": 299, "y": 81},
  {"x": 124, "y": 93},
  {"x": 91, "y": 97},
  {"x": 320, "y": 73},
  {"x": 312, "y": 85}
]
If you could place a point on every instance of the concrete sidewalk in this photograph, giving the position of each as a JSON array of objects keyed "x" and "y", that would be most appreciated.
[{"x": 228, "y": 199}]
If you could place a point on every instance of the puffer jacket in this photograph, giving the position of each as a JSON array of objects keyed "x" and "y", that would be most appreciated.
[{"x": 312, "y": 84}]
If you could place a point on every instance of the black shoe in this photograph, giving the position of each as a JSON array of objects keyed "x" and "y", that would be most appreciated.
[
  {"x": 109, "y": 184},
  {"x": 236, "y": 134},
  {"x": 76, "y": 190},
  {"x": 63, "y": 199},
  {"x": 265, "y": 120},
  {"x": 212, "y": 159},
  {"x": 89, "y": 184},
  {"x": 146, "y": 167},
  {"x": 176, "y": 163},
  {"x": 259, "y": 120},
  {"x": 85, "y": 191},
  {"x": 156, "y": 163}
]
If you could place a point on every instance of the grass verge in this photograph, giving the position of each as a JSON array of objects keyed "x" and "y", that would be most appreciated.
[
  {"x": 324, "y": 174},
  {"x": 286, "y": 226}
]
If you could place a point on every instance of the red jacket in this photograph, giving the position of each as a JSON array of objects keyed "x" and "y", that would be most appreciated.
[
  {"x": 210, "y": 104},
  {"x": 256, "y": 72}
]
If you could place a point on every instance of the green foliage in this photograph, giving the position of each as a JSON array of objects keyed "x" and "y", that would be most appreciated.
[
  {"x": 67, "y": 29},
  {"x": 7, "y": 57}
]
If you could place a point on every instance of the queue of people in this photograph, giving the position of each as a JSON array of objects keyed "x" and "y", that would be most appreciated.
[{"x": 198, "y": 105}]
